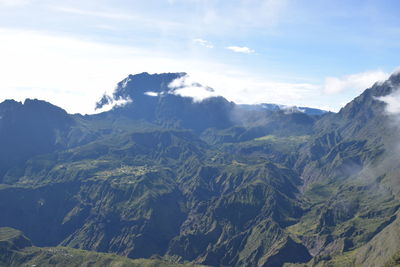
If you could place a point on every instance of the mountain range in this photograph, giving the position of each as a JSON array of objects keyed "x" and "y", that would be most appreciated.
[{"x": 176, "y": 181}]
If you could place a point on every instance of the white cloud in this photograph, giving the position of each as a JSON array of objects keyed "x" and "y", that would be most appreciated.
[
  {"x": 203, "y": 42},
  {"x": 150, "y": 93},
  {"x": 186, "y": 86},
  {"x": 244, "y": 88},
  {"x": 113, "y": 103},
  {"x": 355, "y": 82},
  {"x": 241, "y": 49},
  {"x": 392, "y": 102}
]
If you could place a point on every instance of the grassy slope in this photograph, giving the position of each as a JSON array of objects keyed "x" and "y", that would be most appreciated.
[
  {"x": 352, "y": 189},
  {"x": 241, "y": 197},
  {"x": 14, "y": 254}
]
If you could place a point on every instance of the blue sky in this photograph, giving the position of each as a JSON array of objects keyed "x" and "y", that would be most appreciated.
[{"x": 309, "y": 53}]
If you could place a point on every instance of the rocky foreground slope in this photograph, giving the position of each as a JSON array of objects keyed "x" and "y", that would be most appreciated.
[{"x": 17, "y": 250}]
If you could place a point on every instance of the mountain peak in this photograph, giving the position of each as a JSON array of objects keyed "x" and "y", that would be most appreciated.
[
  {"x": 30, "y": 105},
  {"x": 9, "y": 104},
  {"x": 146, "y": 74},
  {"x": 143, "y": 82},
  {"x": 41, "y": 105},
  {"x": 136, "y": 86}
]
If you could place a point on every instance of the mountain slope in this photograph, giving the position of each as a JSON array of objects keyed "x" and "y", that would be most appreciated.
[
  {"x": 209, "y": 182},
  {"x": 17, "y": 250},
  {"x": 28, "y": 129},
  {"x": 351, "y": 183}
]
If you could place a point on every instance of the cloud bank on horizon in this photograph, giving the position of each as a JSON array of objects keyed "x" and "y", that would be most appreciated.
[{"x": 251, "y": 51}]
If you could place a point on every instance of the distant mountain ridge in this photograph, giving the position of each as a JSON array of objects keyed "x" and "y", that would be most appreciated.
[
  {"x": 285, "y": 108},
  {"x": 137, "y": 86},
  {"x": 170, "y": 110}
]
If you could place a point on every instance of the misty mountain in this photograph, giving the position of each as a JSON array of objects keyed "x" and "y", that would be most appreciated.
[
  {"x": 207, "y": 182},
  {"x": 287, "y": 109}
]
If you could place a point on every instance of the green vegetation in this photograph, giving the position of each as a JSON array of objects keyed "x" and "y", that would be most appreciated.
[
  {"x": 394, "y": 261},
  {"x": 150, "y": 185},
  {"x": 12, "y": 254}
]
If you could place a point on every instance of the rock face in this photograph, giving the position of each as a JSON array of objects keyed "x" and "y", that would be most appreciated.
[{"x": 208, "y": 182}]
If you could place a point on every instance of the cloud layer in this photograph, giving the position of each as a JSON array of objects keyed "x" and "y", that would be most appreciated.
[
  {"x": 355, "y": 82},
  {"x": 186, "y": 86},
  {"x": 392, "y": 102},
  {"x": 74, "y": 73}
]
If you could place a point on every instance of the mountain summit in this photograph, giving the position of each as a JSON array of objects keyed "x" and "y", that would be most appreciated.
[{"x": 137, "y": 86}]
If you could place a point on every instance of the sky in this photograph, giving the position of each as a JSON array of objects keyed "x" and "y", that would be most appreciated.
[{"x": 315, "y": 53}]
